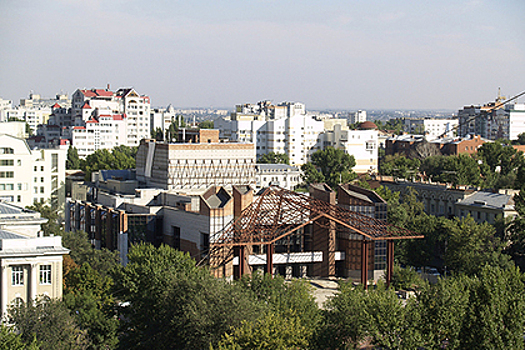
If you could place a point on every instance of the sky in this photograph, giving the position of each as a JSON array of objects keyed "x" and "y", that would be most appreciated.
[{"x": 331, "y": 54}]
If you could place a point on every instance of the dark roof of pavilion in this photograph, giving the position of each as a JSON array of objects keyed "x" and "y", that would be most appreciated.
[{"x": 279, "y": 212}]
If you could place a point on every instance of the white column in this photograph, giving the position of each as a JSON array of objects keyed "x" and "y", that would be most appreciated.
[
  {"x": 33, "y": 282},
  {"x": 3, "y": 295}
]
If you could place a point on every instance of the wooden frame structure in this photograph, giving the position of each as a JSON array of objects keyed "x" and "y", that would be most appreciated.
[{"x": 278, "y": 213}]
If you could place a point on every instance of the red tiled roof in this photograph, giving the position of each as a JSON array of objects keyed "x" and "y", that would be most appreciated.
[
  {"x": 56, "y": 105},
  {"x": 86, "y": 105},
  {"x": 97, "y": 92},
  {"x": 118, "y": 117},
  {"x": 79, "y": 128}
]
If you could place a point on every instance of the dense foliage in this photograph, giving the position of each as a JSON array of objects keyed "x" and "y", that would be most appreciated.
[
  {"x": 495, "y": 165},
  {"x": 274, "y": 158},
  {"x": 333, "y": 166},
  {"x": 121, "y": 157}
]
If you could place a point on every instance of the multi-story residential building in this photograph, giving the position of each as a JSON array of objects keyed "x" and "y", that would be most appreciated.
[
  {"x": 31, "y": 264},
  {"x": 284, "y": 128},
  {"x": 431, "y": 128},
  {"x": 27, "y": 176},
  {"x": 99, "y": 132},
  {"x": 89, "y": 104},
  {"x": 493, "y": 121},
  {"x": 34, "y": 110},
  {"x": 4, "y": 104},
  {"x": 357, "y": 117},
  {"x": 362, "y": 144}
]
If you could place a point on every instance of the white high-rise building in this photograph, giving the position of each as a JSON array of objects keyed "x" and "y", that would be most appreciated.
[
  {"x": 135, "y": 109},
  {"x": 358, "y": 117},
  {"x": 28, "y": 176},
  {"x": 100, "y": 132},
  {"x": 284, "y": 128},
  {"x": 431, "y": 128}
]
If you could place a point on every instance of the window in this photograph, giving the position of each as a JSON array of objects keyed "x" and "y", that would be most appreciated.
[
  {"x": 176, "y": 237},
  {"x": 17, "y": 276},
  {"x": 7, "y": 174},
  {"x": 7, "y": 162},
  {"x": 42, "y": 189},
  {"x": 45, "y": 274},
  {"x": 18, "y": 162},
  {"x": 6, "y": 150}
]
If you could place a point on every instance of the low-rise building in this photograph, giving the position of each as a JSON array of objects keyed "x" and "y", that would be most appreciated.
[
  {"x": 282, "y": 175},
  {"x": 31, "y": 265}
]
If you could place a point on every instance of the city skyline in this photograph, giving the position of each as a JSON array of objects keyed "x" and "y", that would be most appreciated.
[{"x": 341, "y": 55}]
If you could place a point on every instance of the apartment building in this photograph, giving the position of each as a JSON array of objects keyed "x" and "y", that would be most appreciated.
[
  {"x": 28, "y": 176},
  {"x": 431, "y": 128},
  {"x": 363, "y": 144},
  {"x": 493, "y": 121},
  {"x": 88, "y": 105}
]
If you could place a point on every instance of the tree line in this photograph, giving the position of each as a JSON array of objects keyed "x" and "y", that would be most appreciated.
[{"x": 494, "y": 165}]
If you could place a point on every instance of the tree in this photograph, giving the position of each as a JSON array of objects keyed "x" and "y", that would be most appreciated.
[
  {"x": 399, "y": 166},
  {"x": 442, "y": 307},
  {"x": 157, "y": 134},
  {"x": 88, "y": 295},
  {"x": 334, "y": 165},
  {"x": 274, "y": 158},
  {"x": 310, "y": 174},
  {"x": 272, "y": 331},
  {"x": 10, "y": 340},
  {"x": 175, "y": 304},
  {"x": 206, "y": 124},
  {"x": 500, "y": 164},
  {"x": 471, "y": 246},
  {"x": 496, "y": 309},
  {"x": 291, "y": 299},
  {"x": 354, "y": 315},
  {"x": 458, "y": 170},
  {"x": 405, "y": 278},
  {"x": 52, "y": 226},
  {"x": 51, "y": 323},
  {"x": 101, "y": 260},
  {"x": 121, "y": 157},
  {"x": 73, "y": 160},
  {"x": 424, "y": 149}
]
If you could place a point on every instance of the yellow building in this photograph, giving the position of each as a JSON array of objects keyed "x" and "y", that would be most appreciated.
[{"x": 31, "y": 265}]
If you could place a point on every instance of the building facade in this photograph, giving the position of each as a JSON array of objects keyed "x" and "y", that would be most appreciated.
[
  {"x": 177, "y": 166},
  {"x": 28, "y": 176},
  {"x": 31, "y": 265}
]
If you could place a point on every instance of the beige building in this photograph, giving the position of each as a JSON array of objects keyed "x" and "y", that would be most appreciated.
[
  {"x": 31, "y": 265},
  {"x": 183, "y": 166}
]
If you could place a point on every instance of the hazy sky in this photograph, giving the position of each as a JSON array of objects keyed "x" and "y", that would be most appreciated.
[{"x": 327, "y": 54}]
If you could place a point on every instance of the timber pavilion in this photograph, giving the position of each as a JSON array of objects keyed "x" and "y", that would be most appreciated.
[{"x": 308, "y": 231}]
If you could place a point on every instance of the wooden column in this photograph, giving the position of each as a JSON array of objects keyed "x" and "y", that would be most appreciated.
[
  {"x": 364, "y": 263},
  {"x": 389, "y": 261},
  {"x": 269, "y": 259},
  {"x": 240, "y": 252}
]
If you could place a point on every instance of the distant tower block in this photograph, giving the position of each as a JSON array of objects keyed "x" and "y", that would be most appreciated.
[{"x": 358, "y": 117}]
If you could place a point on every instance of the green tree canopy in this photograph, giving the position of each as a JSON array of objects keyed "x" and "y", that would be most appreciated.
[
  {"x": 51, "y": 323},
  {"x": 399, "y": 166},
  {"x": 175, "y": 304},
  {"x": 274, "y": 158},
  {"x": 121, "y": 157},
  {"x": 206, "y": 124},
  {"x": 73, "y": 160},
  {"x": 333, "y": 166}
]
